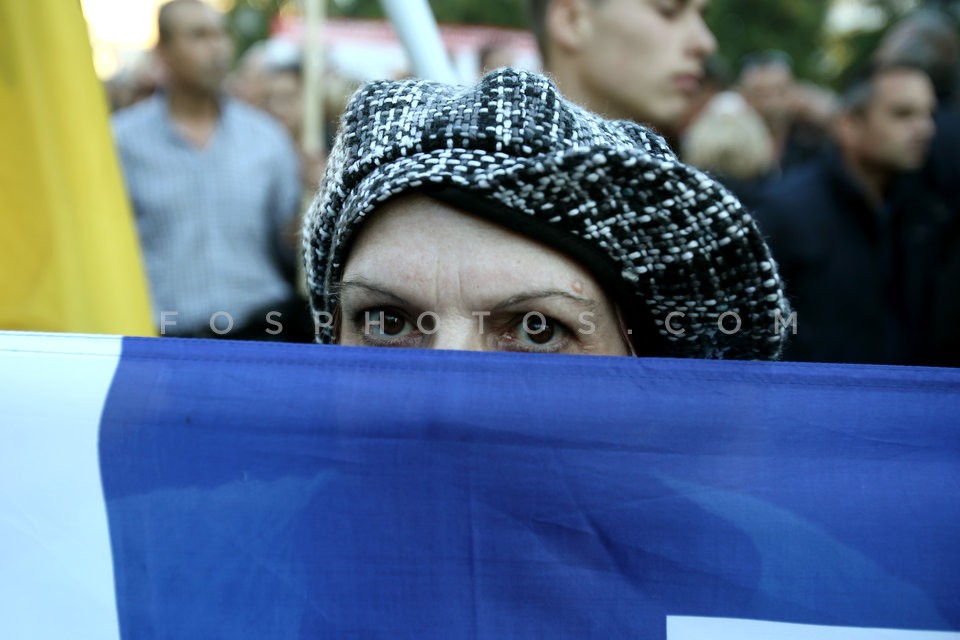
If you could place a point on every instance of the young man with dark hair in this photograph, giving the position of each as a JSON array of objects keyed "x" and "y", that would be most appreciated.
[{"x": 638, "y": 60}]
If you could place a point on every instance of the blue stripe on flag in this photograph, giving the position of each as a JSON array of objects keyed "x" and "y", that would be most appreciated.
[{"x": 259, "y": 490}]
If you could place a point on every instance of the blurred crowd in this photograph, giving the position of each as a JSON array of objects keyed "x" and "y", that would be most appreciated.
[{"x": 856, "y": 190}]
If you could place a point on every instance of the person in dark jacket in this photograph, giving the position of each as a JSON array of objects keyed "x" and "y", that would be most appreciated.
[
  {"x": 929, "y": 38},
  {"x": 853, "y": 231}
]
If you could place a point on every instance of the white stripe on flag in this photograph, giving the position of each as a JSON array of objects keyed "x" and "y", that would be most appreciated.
[
  {"x": 693, "y": 628},
  {"x": 56, "y": 572}
]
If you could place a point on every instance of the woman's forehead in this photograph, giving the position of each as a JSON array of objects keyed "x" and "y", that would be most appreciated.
[{"x": 420, "y": 242}]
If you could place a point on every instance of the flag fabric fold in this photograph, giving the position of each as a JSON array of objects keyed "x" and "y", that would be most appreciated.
[
  {"x": 295, "y": 492},
  {"x": 268, "y": 490}
]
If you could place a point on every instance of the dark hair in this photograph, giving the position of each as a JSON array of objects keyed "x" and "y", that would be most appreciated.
[
  {"x": 488, "y": 49},
  {"x": 294, "y": 66},
  {"x": 164, "y": 17},
  {"x": 716, "y": 71},
  {"x": 766, "y": 58},
  {"x": 537, "y": 20},
  {"x": 861, "y": 88}
]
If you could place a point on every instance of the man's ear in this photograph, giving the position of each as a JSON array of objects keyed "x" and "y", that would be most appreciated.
[{"x": 569, "y": 23}]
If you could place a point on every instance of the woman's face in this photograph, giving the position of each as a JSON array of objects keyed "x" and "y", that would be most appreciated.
[{"x": 425, "y": 275}]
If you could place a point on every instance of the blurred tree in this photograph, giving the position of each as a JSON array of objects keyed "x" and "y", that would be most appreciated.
[
  {"x": 741, "y": 26},
  {"x": 853, "y": 50},
  {"x": 503, "y": 13},
  {"x": 250, "y": 20},
  {"x": 792, "y": 26},
  {"x": 355, "y": 9}
]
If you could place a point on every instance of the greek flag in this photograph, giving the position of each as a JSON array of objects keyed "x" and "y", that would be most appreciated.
[{"x": 155, "y": 488}]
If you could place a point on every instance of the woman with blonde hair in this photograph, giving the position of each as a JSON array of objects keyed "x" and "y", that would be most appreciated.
[{"x": 730, "y": 141}]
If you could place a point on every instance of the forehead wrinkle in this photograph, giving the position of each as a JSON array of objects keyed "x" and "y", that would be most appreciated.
[
  {"x": 364, "y": 284},
  {"x": 437, "y": 277},
  {"x": 589, "y": 303}
]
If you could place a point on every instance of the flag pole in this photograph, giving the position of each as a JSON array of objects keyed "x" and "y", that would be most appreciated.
[
  {"x": 314, "y": 135},
  {"x": 420, "y": 35}
]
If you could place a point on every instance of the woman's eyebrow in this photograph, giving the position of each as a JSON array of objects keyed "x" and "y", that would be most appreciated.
[
  {"x": 348, "y": 285},
  {"x": 588, "y": 303}
]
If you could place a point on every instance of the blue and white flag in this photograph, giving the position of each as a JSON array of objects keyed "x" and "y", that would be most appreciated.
[{"x": 164, "y": 488}]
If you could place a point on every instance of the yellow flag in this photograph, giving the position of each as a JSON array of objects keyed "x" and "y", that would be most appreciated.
[{"x": 69, "y": 254}]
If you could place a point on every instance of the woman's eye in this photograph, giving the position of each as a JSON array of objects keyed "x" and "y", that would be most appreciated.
[
  {"x": 537, "y": 329},
  {"x": 392, "y": 324},
  {"x": 385, "y": 323},
  {"x": 537, "y": 332}
]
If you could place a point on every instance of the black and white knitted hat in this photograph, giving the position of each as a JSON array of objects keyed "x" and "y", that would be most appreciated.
[{"x": 664, "y": 239}]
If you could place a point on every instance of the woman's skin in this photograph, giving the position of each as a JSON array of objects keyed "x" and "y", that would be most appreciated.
[{"x": 422, "y": 274}]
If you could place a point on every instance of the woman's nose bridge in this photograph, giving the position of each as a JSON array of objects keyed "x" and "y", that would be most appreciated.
[{"x": 458, "y": 333}]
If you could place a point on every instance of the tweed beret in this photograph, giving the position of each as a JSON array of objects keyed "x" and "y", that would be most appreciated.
[{"x": 669, "y": 243}]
